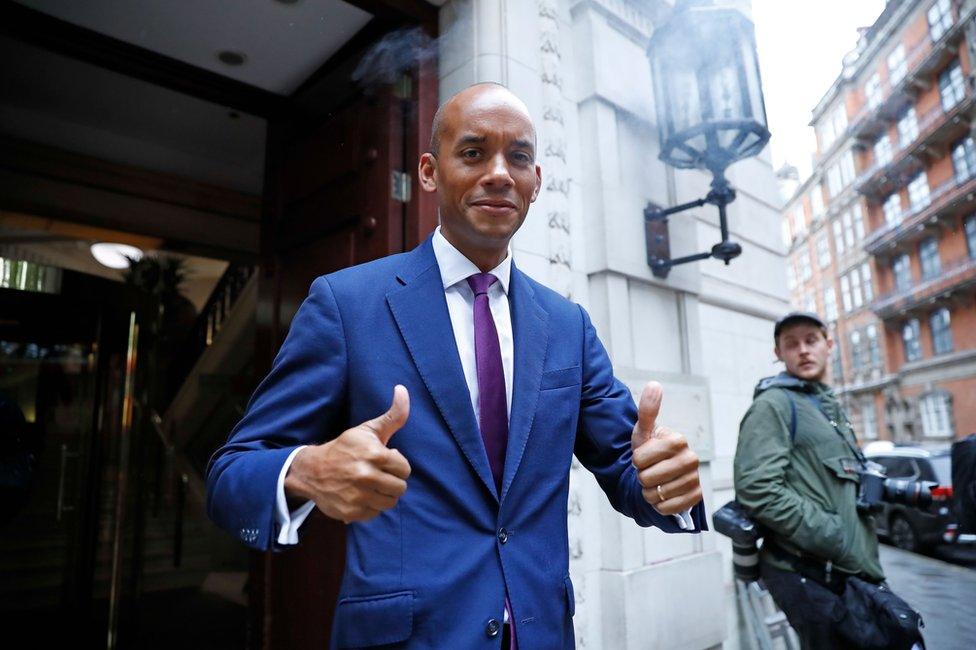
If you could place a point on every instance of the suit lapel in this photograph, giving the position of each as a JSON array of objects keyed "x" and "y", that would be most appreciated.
[
  {"x": 530, "y": 332},
  {"x": 420, "y": 310}
]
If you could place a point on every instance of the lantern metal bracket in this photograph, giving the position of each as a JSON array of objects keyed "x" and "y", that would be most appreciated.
[{"x": 656, "y": 230}]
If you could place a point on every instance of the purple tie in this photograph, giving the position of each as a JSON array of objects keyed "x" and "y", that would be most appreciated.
[{"x": 492, "y": 400}]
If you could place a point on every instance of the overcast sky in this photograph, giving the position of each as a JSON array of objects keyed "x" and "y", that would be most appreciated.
[{"x": 801, "y": 45}]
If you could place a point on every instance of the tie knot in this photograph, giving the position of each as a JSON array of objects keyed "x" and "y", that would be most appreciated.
[{"x": 479, "y": 282}]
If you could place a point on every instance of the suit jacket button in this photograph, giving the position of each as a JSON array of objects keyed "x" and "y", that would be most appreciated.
[
  {"x": 493, "y": 628},
  {"x": 502, "y": 535}
]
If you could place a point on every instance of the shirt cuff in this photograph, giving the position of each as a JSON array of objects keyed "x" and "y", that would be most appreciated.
[
  {"x": 684, "y": 520},
  {"x": 289, "y": 522}
]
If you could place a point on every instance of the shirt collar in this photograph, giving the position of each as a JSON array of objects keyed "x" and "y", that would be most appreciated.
[{"x": 455, "y": 267}]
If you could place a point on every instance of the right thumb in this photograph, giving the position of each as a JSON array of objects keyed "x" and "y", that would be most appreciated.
[{"x": 390, "y": 422}]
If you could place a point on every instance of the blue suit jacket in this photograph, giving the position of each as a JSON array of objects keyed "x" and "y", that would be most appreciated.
[{"x": 434, "y": 570}]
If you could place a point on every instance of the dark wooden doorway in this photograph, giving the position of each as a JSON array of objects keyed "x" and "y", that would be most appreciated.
[{"x": 340, "y": 191}]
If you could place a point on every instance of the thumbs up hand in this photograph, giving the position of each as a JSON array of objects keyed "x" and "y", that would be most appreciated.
[
  {"x": 667, "y": 468},
  {"x": 356, "y": 476}
]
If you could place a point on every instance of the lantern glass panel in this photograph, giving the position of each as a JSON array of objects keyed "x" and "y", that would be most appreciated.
[{"x": 708, "y": 91}]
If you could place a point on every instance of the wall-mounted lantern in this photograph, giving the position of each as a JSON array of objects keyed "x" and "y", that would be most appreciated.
[{"x": 710, "y": 112}]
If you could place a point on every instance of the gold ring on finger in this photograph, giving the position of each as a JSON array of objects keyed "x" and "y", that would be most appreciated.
[{"x": 660, "y": 492}]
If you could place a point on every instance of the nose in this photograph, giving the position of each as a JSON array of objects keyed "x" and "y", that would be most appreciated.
[{"x": 498, "y": 174}]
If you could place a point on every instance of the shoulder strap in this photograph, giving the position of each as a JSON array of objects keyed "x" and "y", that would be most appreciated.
[{"x": 792, "y": 417}]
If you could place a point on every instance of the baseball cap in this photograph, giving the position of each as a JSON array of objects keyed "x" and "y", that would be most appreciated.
[{"x": 797, "y": 316}]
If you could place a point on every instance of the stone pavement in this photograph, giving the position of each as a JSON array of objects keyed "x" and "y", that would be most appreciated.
[{"x": 944, "y": 593}]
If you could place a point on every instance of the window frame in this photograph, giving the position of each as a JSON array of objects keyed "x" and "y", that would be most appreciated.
[
  {"x": 940, "y": 329},
  {"x": 911, "y": 345},
  {"x": 940, "y": 18},
  {"x": 928, "y": 258}
]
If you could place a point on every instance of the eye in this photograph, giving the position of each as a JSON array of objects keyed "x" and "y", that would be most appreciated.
[
  {"x": 522, "y": 158},
  {"x": 471, "y": 154}
]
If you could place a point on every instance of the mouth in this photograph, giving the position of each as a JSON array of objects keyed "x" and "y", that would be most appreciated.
[{"x": 495, "y": 206}]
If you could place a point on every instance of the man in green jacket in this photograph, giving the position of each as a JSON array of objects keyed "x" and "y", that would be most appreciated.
[{"x": 796, "y": 473}]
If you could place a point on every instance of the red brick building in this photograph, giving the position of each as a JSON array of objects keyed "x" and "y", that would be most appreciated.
[{"x": 882, "y": 235}]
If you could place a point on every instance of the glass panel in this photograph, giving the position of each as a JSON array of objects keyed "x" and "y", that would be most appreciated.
[
  {"x": 928, "y": 253},
  {"x": 970, "y": 226}
]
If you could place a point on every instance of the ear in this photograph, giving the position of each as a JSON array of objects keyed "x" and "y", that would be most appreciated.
[
  {"x": 427, "y": 172},
  {"x": 538, "y": 183},
  {"x": 830, "y": 343},
  {"x": 776, "y": 352}
]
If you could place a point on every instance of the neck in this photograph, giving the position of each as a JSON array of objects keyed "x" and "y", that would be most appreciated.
[{"x": 484, "y": 258}]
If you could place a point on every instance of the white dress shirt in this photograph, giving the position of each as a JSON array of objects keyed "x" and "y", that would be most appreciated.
[{"x": 455, "y": 269}]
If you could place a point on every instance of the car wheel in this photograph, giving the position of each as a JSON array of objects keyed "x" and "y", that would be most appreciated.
[{"x": 902, "y": 534}]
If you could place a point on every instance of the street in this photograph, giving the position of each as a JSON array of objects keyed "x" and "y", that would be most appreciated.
[{"x": 944, "y": 594}]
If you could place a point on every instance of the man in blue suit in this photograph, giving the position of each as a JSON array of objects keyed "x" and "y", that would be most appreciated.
[{"x": 456, "y": 495}]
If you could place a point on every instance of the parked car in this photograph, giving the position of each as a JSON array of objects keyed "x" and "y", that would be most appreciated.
[{"x": 915, "y": 528}]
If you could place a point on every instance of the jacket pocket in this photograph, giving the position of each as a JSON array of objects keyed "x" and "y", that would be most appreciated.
[
  {"x": 843, "y": 467},
  {"x": 561, "y": 378},
  {"x": 570, "y": 596},
  {"x": 366, "y": 621}
]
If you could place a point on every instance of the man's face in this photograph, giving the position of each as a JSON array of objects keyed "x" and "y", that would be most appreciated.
[
  {"x": 804, "y": 349},
  {"x": 484, "y": 171}
]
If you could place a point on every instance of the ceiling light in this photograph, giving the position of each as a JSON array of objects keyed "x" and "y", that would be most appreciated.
[
  {"x": 231, "y": 58},
  {"x": 115, "y": 256}
]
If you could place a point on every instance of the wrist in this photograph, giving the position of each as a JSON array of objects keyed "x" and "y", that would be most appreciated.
[{"x": 295, "y": 484}]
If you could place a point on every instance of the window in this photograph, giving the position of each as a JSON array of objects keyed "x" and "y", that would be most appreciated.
[
  {"x": 858, "y": 218},
  {"x": 810, "y": 303},
  {"x": 848, "y": 229},
  {"x": 874, "y": 349},
  {"x": 872, "y": 90},
  {"x": 790, "y": 276},
  {"x": 834, "y": 182},
  {"x": 838, "y": 236},
  {"x": 816, "y": 201},
  {"x": 909, "y": 337},
  {"x": 896, "y": 66},
  {"x": 892, "y": 209},
  {"x": 836, "y": 364},
  {"x": 918, "y": 192},
  {"x": 869, "y": 419},
  {"x": 902, "y": 270},
  {"x": 855, "y": 350},
  {"x": 823, "y": 250},
  {"x": 970, "y": 227},
  {"x": 952, "y": 87},
  {"x": 964, "y": 159},
  {"x": 882, "y": 150},
  {"x": 907, "y": 128},
  {"x": 936, "y": 411},
  {"x": 856, "y": 298},
  {"x": 826, "y": 131},
  {"x": 941, "y": 334},
  {"x": 866, "y": 284},
  {"x": 839, "y": 118},
  {"x": 805, "y": 272},
  {"x": 928, "y": 257},
  {"x": 847, "y": 168},
  {"x": 940, "y": 19},
  {"x": 845, "y": 292},
  {"x": 830, "y": 303}
]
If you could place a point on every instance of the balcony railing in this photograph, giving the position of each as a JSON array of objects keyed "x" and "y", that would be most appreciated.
[
  {"x": 913, "y": 220},
  {"x": 954, "y": 277},
  {"x": 880, "y": 179},
  {"x": 922, "y": 57}
]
